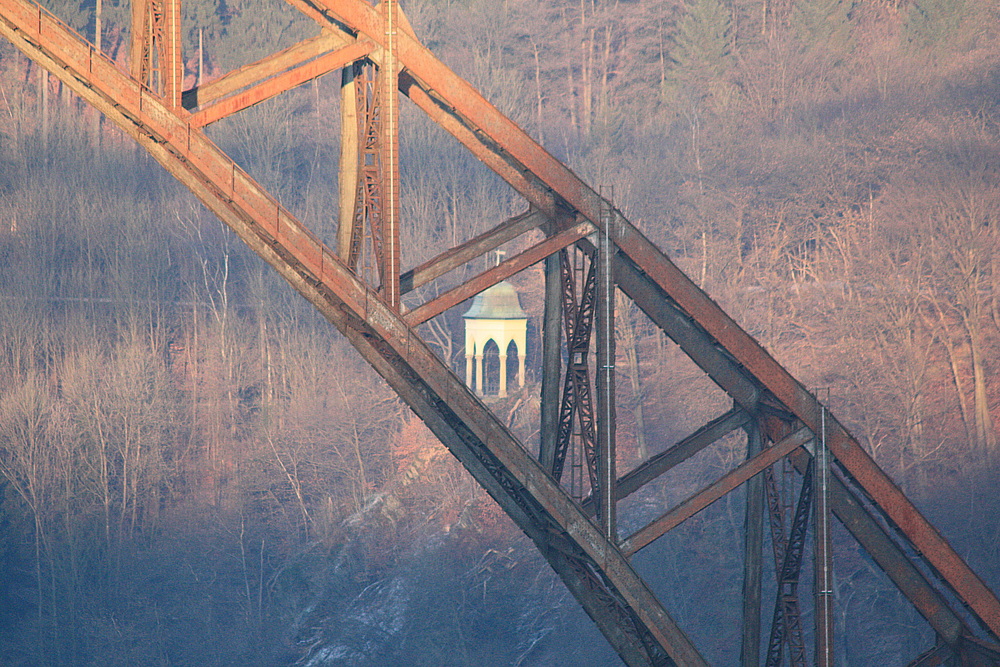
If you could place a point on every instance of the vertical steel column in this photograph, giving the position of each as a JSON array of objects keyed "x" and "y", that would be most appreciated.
[
  {"x": 140, "y": 46},
  {"x": 606, "y": 428},
  {"x": 389, "y": 267},
  {"x": 347, "y": 172},
  {"x": 823, "y": 559},
  {"x": 156, "y": 31},
  {"x": 753, "y": 543},
  {"x": 786, "y": 626},
  {"x": 551, "y": 363},
  {"x": 171, "y": 61},
  {"x": 576, "y": 405}
]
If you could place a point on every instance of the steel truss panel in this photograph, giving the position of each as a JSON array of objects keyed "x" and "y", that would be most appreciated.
[
  {"x": 210, "y": 112},
  {"x": 786, "y": 624},
  {"x": 601, "y": 578},
  {"x": 577, "y": 406},
  {"x": 593, "y": 566},
  {"x": 789, "y": 610},
  {"x": 514, "y": 146},
  {"x": 156, "y": 47}
]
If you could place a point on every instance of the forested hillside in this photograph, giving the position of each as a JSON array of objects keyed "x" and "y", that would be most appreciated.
[{"x": 195, "y": 469}]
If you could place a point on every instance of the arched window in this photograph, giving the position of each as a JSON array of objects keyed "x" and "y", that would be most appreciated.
[
  {"x": 491, "y": 369},
  {"x": 514, "y": 379}
]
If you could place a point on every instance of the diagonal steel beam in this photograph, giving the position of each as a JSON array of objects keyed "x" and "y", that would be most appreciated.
[
  {"x": 516, "y": 148},
  {"x": 488, "y": 152},
  {"x": 504, "y": 270},
  {"x": 455, "y": 257},
  {"x": 684, "y": 330},
  {"x": 282, "y": 82},
  {"x": 873, "y": 536},
  {"x": 596, "y": 572},
  {"x": 702, "y": 499},
  {"x": 688, "y": 334},
  {"x": 673, "y": 456},
  {"x": 933, "y": 657},
  {"x": 255, "y": 73}
]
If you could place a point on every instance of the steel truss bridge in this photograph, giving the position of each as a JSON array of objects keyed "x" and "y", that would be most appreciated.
[{"x": 358, "y": 287}]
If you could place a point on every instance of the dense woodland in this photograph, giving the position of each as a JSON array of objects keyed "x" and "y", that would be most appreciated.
[{"x": 195, "y": 469}]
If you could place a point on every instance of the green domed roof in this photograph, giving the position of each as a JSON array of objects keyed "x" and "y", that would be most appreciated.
[{"x": 499, "y": 302}]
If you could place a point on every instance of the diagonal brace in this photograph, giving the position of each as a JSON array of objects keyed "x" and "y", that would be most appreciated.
[
  {"x": 454, "y": 257},
  {"x": 504, "y": 270},
  {"x": 702, "y": 499},
  {"x": 280, "y": 83},
  {"x": 666, "y": 460},
  {"x": 257, "y": 72}
]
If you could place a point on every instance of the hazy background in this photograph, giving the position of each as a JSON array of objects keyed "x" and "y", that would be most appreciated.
[{"x": 195, "y": 469}]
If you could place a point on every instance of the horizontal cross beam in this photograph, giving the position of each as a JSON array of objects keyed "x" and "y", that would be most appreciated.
[{"x": 261, "y": 70}]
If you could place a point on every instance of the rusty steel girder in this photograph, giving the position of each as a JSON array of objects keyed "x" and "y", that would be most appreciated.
[
  {"x": 791, "y": 618},
  {"x": 786, "y": 623},
  {"x": 576, "y": 413},
  {"x": 155, "y": 49},
  {"x": 622, "y": 606},
  {"x": 488, "y": 133},
  {"x": 365, "y": 307}
]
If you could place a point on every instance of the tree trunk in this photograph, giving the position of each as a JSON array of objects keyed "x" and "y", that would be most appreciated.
[
  {"x": 985, "y": 434},
  {"x": 956, "y": 375},
  {"x": 627, "y": 340}
]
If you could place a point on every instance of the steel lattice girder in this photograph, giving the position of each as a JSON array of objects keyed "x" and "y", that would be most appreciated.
[
  {"x": 616, "y": 598},
  {"x": 592, "y": 566},
  {"x": 578, "y": 320},
  {"x": 790, "y": 616},
  {"x": 156, "y": 30},
  {"x": 786, "y": 626}
]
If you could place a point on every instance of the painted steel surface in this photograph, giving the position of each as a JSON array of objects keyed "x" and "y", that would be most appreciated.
[
  {"x": 590, "y": 561},
  {"x": 595, "y": 571}
]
